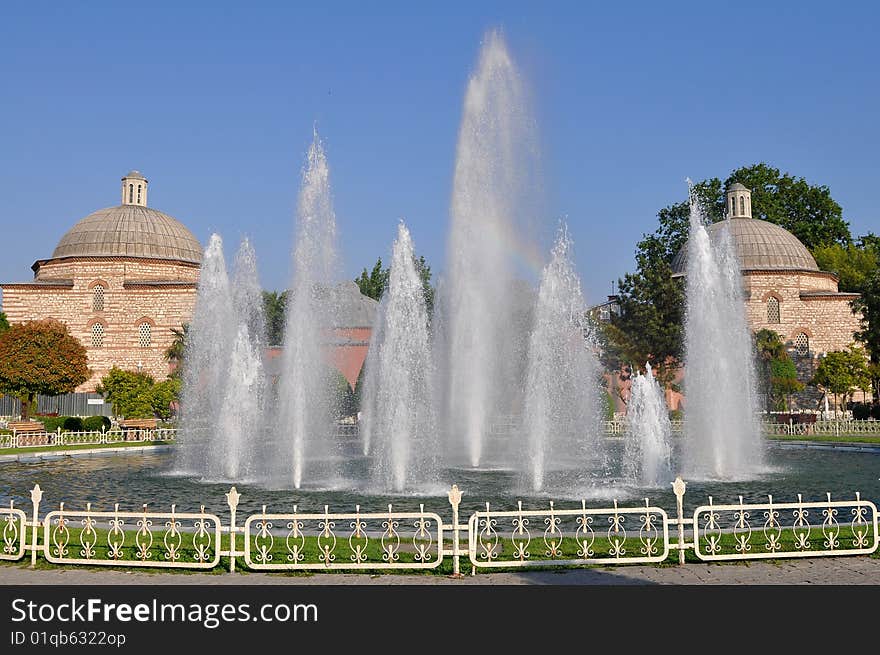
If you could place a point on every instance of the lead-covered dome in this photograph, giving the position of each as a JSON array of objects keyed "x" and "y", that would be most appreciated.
[
  {"x": 129, "y": 230},
  {"x": 760, "y": 245}
]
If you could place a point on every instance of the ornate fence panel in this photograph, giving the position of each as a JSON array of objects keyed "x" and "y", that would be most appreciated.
[
  {"x": 348, "y": 541},
  {"x": 119, "y": 538},
  {"x": 568, "y": 537},
  {"x": 782, "y": 530},
  {"x": 13, "y": 523}
]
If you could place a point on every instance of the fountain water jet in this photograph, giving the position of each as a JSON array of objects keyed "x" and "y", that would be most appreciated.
[
  {"x": 306, "y": 397},
  {"x": 560, "y": 426},
  {"x": 722, "y": 429},
  {"x": 399, "y": 420},
  {"x": 647, "y": 454},
  {"x": 490, "y": 200}
]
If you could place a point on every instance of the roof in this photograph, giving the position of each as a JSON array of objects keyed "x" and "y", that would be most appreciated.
[
  {"x": 760, "y": 245},
  {"x": 736, "y": 186},
  {"x": 130, "y": 230},
  {"x": 135, "y": 174}
]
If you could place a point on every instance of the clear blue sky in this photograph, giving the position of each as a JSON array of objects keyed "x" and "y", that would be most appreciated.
[{"x": 215, "y": 102}]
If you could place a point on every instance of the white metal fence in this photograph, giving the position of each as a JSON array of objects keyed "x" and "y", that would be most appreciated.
[
  {"x": 61, "y": 438},
  {"x": 391, "y": 539}
]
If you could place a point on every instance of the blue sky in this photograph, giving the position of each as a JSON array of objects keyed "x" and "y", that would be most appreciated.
[{"x": 215, "y": 103}]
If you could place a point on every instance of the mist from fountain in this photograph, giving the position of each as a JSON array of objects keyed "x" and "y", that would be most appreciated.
[
  {"x": 491, "y": 202},
  {"x": 560, "y": 427},
  {"x": 399, "y": 415},
  {"x": 648, "y": 449},
  {"x": 722, "y": 429},
  {"x": 304, "y": 443}
]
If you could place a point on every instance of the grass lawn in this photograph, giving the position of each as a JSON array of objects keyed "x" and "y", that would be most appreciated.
[{"x": 49, "y": 449}]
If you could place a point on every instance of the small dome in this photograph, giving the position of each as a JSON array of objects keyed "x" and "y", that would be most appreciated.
[
  {"x": 736, "y": 186},
  {"x": 760, "y": 245},
  {"x": 135, "y": 174},
  {"x": 130, "y": 230}
]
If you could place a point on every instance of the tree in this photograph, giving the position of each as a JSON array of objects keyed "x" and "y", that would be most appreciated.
[
  {"x": 175, "y": 352},
  {"x": 373, "y": 284},
  {"x": 842, "y": 372},
  {"x": 853, "y": 263},
  {"x": 163, "y": 395},
  {"x": 275, "y": 306},
  {"x": 868, "y": 307},
  {"x": 40, "y": 357},
  {"x": 784, "y": 380},
  {"x": 4, "y": 323},
  {"x": 129, "y": 391}
]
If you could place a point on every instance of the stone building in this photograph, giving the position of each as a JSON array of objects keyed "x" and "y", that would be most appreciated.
[
  {"x": 120, "y": 279},
  {"x": 784, "y": 289}
]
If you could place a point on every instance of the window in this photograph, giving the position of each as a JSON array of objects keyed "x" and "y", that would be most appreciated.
[
  {"x": 772, "y": 310},
  {"x": 139, "y": 194},
  {"x": 145, "y": 333},
  {"x": 802, "y": 344},
  {"x": 732, "y": 206},
  {"x": 98, "y": 298},
  {"x": 98, "y": 335},
  {"x": 742, "y": 205},
  {"x": 130, "y": 193}
]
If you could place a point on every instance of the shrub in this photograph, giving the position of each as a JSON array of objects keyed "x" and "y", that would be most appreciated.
[
  {"x": 72, "y": 424},
  {"x": 861, "y": 411},
  {"x": 875, "y": 411},
  {"x": 52, "y": 423},
  {"x": 95, "y": 423}
]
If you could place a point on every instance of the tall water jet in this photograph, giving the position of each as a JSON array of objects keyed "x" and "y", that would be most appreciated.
[
  {"x": 306, "y": 395},
  {"x": 561, "y": 401},
  {"x": 241, "y": 419},
  {"x": 722, "y": 429},
  {"x": 205, "y": 361},
  {"x": 494, "y": 170},
  {"x": 647, "y": 450},
  {"x": 399, "y": 417}
]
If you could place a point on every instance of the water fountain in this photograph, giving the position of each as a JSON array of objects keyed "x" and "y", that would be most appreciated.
[
  {"x": 303, "y": 447},
  {"x": 560, "y": 426},
  {"x": 648, "y": 450},
  {"x": 722, "y": 431},
  {"x": 399, "y": 425},
  {"x": 478, "y": 304}
]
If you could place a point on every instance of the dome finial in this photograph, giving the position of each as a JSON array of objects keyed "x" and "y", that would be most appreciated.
[
  {"x": 134, "y": 189},
  {"x": 739, "y": 201}
]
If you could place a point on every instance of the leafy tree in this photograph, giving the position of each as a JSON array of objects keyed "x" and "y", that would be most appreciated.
[
  {"x": 373, "y": 284},
  {"x": 784, "y": 380},
  {"x": 779, "y": 374},
  {"x": 854, "y": 264},
  {"x": 842, "y": 372},
  {"x": 162, "y": 395},
  {"x": 40, "y": 357},
  {"x": 868, "y": 306},
  {"x": 275, "y": 306},
  {"x": 4, "y": 323},
  {"x": 175, "y": 352},
  {"x": 129, "y": 391}
]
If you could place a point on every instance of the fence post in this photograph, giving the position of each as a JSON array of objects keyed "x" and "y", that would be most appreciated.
[
  {"x": 678, "y": 488},
  {"x": 36, "y": 497},
  {"x": 455, "y": 500},
  {"x": 103, "y": 433},
  {"x": 232, "y": 500}
]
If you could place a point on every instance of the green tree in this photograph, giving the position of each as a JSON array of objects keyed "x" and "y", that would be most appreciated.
[
  {"x": 40, "y": 357},
  {"x": 162, "y": 395},
  {"x": 373, "y": 284},
  {"x": 842, "y": 372},
  {"x": 4, "y": 323},
  {"x": 784, "y": 380},
  {"x": 129, "y": 391},
  {"x": 175, "y": 352},
  {"x": 868, "y": 307},
  {"x": 853, "y": 263},
  {"x": 275, "y": 306}
]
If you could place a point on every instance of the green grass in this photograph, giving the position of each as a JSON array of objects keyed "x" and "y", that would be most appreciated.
[{"x": 828, "y": 438}]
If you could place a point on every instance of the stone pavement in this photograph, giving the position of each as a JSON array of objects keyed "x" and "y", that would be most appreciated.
[{"x": 858, "y": 570}]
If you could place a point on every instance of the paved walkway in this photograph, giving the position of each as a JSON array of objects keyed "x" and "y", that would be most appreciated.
[{"x": 816, "y": 571}]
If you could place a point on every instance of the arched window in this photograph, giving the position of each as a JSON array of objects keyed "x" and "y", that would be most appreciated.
[
  {"x": 131, "y": 193},
  {"x": 802, "y": 344},
  {"x": 98, "y": 298},
  {"x": 98, "y": 335},
  {"x": 742, "y": 205},
  {"x": 139, "y": 194},
  {"x": 772, "y": 310},
  {"x": 732, "y": 205},
  {"x": 145, "y": 334}
]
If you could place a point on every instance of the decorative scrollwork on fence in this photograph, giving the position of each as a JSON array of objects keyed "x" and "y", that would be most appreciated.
[
  {"x": 358, "y": 541},
  {"x": 723, "y": 532},
  {"x": 390, "y": 538},
  {"x": 13, "y": 521},
  {"x": 88, "y": 536},
  {"x": 569, "y": 537},
  {"x": 60, "y": 534}
]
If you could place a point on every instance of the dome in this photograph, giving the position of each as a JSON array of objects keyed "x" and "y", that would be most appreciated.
[
  {"x": 132, "y": 231},
  {"x": 760, "y": 245}
]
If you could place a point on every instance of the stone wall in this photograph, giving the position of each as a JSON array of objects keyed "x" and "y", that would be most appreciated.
[{"x": 159, "y": 293}]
